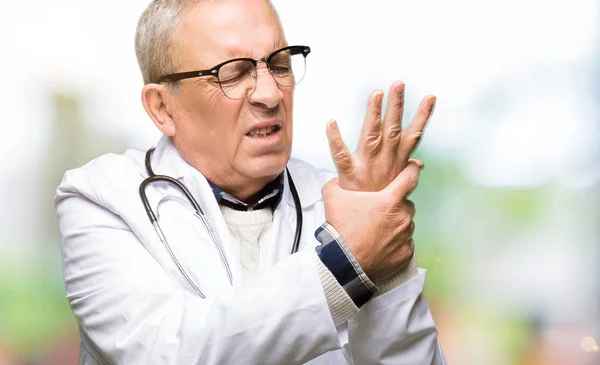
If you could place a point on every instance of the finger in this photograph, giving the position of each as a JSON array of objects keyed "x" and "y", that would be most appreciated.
[
  {"x": 418, "y": 162},
  {"x": 392, "y": 122},
  {"x": 414, "y": 132},
  {"x": 342, "y": 159},
  {"x": 410, "y": 208},
  {"x": 409, "y": 246},
  {"x": 405, "y": 182},
  {"x": 370, "y": 136}
]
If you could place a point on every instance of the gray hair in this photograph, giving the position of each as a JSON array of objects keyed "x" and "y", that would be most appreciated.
[{"x": 157, "y": 37}]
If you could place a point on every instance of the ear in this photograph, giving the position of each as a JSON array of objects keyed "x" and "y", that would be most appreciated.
[{"x": 156, "y": 99}]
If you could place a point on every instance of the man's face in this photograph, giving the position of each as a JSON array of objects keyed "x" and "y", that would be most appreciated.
[{"x": 217, "y": 134}]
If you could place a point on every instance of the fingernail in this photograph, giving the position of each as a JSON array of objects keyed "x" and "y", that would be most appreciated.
[
  {"x": 377, "y": 97},
  {"x": 433, "y": 104},
  {"x": 419, "y": 163},
  {"x": 400, "y": 88},
  {"x": 333, "y": 125}
]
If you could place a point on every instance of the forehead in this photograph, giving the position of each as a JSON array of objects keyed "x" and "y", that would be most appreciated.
[{"x": 214, "y": 31}]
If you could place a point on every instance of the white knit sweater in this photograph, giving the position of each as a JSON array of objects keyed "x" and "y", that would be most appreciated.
[{"x": 251, "y": 233}]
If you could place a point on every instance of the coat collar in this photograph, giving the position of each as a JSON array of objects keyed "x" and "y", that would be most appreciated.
[
  {"x": 166, "y": 160},
  {"x": 308, "y": 182}
]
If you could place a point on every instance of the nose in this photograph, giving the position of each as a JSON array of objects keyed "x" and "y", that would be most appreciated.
[{"x": 267, "y": 92}]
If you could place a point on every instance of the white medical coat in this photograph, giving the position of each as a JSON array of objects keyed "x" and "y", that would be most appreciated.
[{"x": 135, "y": 307}]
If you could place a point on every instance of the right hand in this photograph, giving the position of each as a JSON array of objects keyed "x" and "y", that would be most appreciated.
[{"x": 377, "y": 226}]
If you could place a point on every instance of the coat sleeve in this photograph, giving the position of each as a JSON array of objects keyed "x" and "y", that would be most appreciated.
[
  {"x": 394, "y": 328},
  {"x": 130, "y": 311}
]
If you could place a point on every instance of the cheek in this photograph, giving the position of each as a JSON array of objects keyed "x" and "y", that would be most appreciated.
[
  {"x": 207, "y": 119},
  {"x": 288, "y": 101},
  {"x": 288, "y": 104},
  {"x": 221, "y": 121}
]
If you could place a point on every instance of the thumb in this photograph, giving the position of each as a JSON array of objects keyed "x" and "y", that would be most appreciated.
[
  {"x": 407, "y": 179},
  {"x": 342, "y": 159}
]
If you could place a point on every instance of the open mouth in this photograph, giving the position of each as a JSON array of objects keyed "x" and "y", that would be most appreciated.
[{"x": 264, "y": 132}]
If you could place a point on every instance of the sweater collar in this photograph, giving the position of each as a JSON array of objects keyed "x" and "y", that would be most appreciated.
[{"x": 269, "y": 196}]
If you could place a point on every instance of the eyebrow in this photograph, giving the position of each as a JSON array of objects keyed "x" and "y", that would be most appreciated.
[{"x": 239, "y": 53}]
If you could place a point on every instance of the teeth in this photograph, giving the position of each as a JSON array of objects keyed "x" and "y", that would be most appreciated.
[{"x": 262, "y": 132}]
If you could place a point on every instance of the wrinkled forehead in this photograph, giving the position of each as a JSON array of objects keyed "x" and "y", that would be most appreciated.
[{"x": 214, "y": 31}]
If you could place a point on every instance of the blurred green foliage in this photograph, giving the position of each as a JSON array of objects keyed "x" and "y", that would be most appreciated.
[{"x": 32, "y": 303}]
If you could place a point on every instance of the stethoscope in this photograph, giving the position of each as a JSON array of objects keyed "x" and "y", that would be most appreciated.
[{"x": 152, "y": 177}]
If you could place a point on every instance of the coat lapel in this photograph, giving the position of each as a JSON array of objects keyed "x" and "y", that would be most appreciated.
[
  {"x": 166, "y": 160},
  {"x": 284, "y": 217}
]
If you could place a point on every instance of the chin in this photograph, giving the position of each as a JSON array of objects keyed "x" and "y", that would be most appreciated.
[{"x": 266, "y": 166}]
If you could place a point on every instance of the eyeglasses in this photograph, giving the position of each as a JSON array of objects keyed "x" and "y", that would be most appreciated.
[{"x": 237, "y": 77}]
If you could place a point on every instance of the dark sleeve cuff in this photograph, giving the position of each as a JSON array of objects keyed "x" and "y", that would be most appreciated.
[{"x": 337, "y": 257}]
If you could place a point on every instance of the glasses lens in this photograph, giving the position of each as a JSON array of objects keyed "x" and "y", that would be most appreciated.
[
  {"x": 288, "y": 67},
  {"x": 237, "y": 79}
]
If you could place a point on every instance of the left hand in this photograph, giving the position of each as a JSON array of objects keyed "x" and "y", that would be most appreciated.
[{"x": 383, "y": 148}]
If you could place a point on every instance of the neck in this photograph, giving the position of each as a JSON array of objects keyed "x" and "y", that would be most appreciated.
[
  {"x": 241, "y": 187},
  {"x": 246, "y": 190}
]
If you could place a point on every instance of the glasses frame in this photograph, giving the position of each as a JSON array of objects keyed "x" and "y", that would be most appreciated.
[{"x": 304, "y": 50}]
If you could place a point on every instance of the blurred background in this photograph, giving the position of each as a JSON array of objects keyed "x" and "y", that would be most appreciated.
[{"x": 508, "y": 204}]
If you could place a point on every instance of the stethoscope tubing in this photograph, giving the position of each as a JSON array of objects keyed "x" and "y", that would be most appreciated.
[{"x": 152, "y": 177}]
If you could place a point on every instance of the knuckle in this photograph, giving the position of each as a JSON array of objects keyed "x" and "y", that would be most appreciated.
[
  {"x": 376, "y": 113},
  {"x": 394, "y": 132},
  {"x": 398, "y": 104},
  {"x": 417, "y": 137},
  {"x": 402, "y": 255},
  {"x": 338, "y": 144},
  {"x": 411, "y": 228},
  {"x": 343, "y": 158},
  {"x": 410, "y": 207},
  {"x": 413, "y": 180},
  {"x": 389, "y": 217},
  {"x": 409, "y": 249},
  {"x": 373, "y": 140},
  {"x": 409, "y": 185},
  {"x": 404, "y": 222},
  {"x": 407, "y": 145}
]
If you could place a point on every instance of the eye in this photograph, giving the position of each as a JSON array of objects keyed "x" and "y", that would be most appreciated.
[
  {"x": 231, "y": 79},
  {"x": 280, "y": 69},
  {"x": 281, "y": 63},
  {"x": 235, "y": 72}
]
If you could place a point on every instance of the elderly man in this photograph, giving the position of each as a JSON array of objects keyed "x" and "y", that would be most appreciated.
[{"x": 217, "y": 248}]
